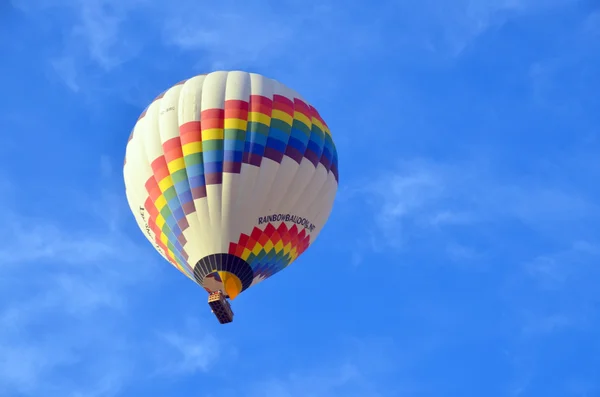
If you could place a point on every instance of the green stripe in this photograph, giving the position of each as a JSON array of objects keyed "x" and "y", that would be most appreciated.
[
  {"x": 235, "y": 134},
  {"x": 211, "y": 145},
  {"x": 260, "y": 128},
  {"x": 299, "y": 125},
  {"x": 170, "y": 194},
  {"x": 281, "y": 125},
  {"x": 179, "y": 176},
  {"x": 193, "y": 159}
]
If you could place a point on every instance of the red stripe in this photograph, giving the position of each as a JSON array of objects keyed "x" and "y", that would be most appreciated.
[
  {"x": 283, "y": 104},
  {"x": 243, "y": 240},
  {"x": 263, "y": 239},
  {"x": 190, "y": 126},
  {"x": 191, "y": 137},
  {"x": 173, "y": 154},
  {"x": 260, "y": 99},
  {"x": 259, "y": 108},
  {"x": 171, "y": 144},
  {"x": 236, "y": 109},
  {"x": 213, "y": 123},
  {"x": 302, "y": 107},
  {"x": 236, "y": 114},
  {"x": 236, "y": 104},
  {"x": 232, "y": 248},
  {"x": 153, "y": 189},
  {"x": 211, "y": 114},
  {"x": 159, "y": 167}
]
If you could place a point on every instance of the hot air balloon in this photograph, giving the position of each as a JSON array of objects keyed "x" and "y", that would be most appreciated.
[{"x": 230, "y": 176}]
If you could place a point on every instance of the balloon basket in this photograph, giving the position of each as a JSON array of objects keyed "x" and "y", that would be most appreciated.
[{"x": 220, "y": 307}]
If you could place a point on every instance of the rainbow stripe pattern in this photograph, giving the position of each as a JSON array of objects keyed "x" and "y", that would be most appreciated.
[
  {"x": 224, "y": 139},
  {"x": 229, "y": 124},
  {"x": 272, "y": 249}
]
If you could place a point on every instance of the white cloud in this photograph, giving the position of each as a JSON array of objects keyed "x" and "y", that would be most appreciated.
[
  {"x": 190, "y": 352},
  {"x": 65, "y": 299},
  {"x": 433, "y": 196},
  {"x": 227, "y": 35},
  {"x": 358, "y": 371}
]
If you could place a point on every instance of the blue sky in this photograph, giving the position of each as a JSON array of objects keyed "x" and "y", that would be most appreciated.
[{"x": 462, "y": 253}]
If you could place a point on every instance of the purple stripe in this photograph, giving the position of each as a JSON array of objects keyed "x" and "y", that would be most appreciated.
[
  {"x": 214, "y": 178},
  {"x": 312, "y": 157},
  {"x": 273, "y": 154},
  {"x": 188, "y": 208},
  {"x": 294, "y": 154},
  {"x": 232, "y": 167},
  {"x": 199, "y": 192},
  {"x": 255, "y": 160},
  {"x": 183, "y": 224}
]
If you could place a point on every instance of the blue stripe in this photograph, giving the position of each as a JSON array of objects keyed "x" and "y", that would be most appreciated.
[
  {"x": 185, "y": 197},
  {"x": 233, "y": 155},
  {"x": 279, "y": 134},
  {"x": 256, "y": 148},
  {"x": 197, "y": 181},
  {"x": 299, "y": 135},
  {"x": 215, "y": 167},
  {"x": 195, "y": 170},
  {"x": 256, "y": 137},
  {"x": 276, "y": 144},
  {"x": 298, "y": 145},
  {"x": 212, "y": 156},
  {"x": 315, "y": 148}
]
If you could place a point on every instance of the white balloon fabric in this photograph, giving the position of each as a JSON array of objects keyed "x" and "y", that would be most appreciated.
[{"x": 231, "y": 176}]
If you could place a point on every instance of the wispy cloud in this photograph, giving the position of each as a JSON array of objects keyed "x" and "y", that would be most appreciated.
[
  {"x": 359, "y": 371},
  {"x": 190, "y": 350},
  {"x": 66, "y": 291},
  {"x": 426, "y": 195},
  {"x": 106, "y": 33}
]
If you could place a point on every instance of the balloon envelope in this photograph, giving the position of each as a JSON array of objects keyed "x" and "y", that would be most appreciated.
[{"x": 231, "y": 176}]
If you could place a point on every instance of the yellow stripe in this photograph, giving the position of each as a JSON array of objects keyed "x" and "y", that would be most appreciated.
[
  {"x": 269, "y": 246},
  {"x": 164, "y": 240},
  {"x": 287, "y": 248},
  {"x": 279, "y": 246},
  {"x": 237, "y": 124},
  {"x": 246, "y": 253},
  {"x": 256, "y": 249},
  {"x": 212, "y": 134},
  {"x": 165, "y": 184},
  {"x": 258, "y": 117},
  {"x": 283, "y": 116},
  {"x": 176, "y": 165},
  {"x": 302, "y": 117},
  {"x": 160, "y": 202},
  {"x": 318, "y": 123},
  {"x": 191, "y": 148}
]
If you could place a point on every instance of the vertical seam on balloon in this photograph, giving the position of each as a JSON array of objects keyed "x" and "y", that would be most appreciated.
[
  {"x": 204, "y": 154},
  {"x": 134, "y": 193},
  {"x": 272, "y": 269},
  {"x": 304, "y": 158},
  {"x": 181, "y": 258},
  {"x": 193, "y": 131},
  {"x": 174, "y": 186},
  {"x": 281, "y": 156},
  {"x": 271, "y": 262},
  {"x": 227, "y": 227},
  {"x": 151, "y": 218},
  {"x": 254, "y": 159},
  {"x": 245, "y": 171}
]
